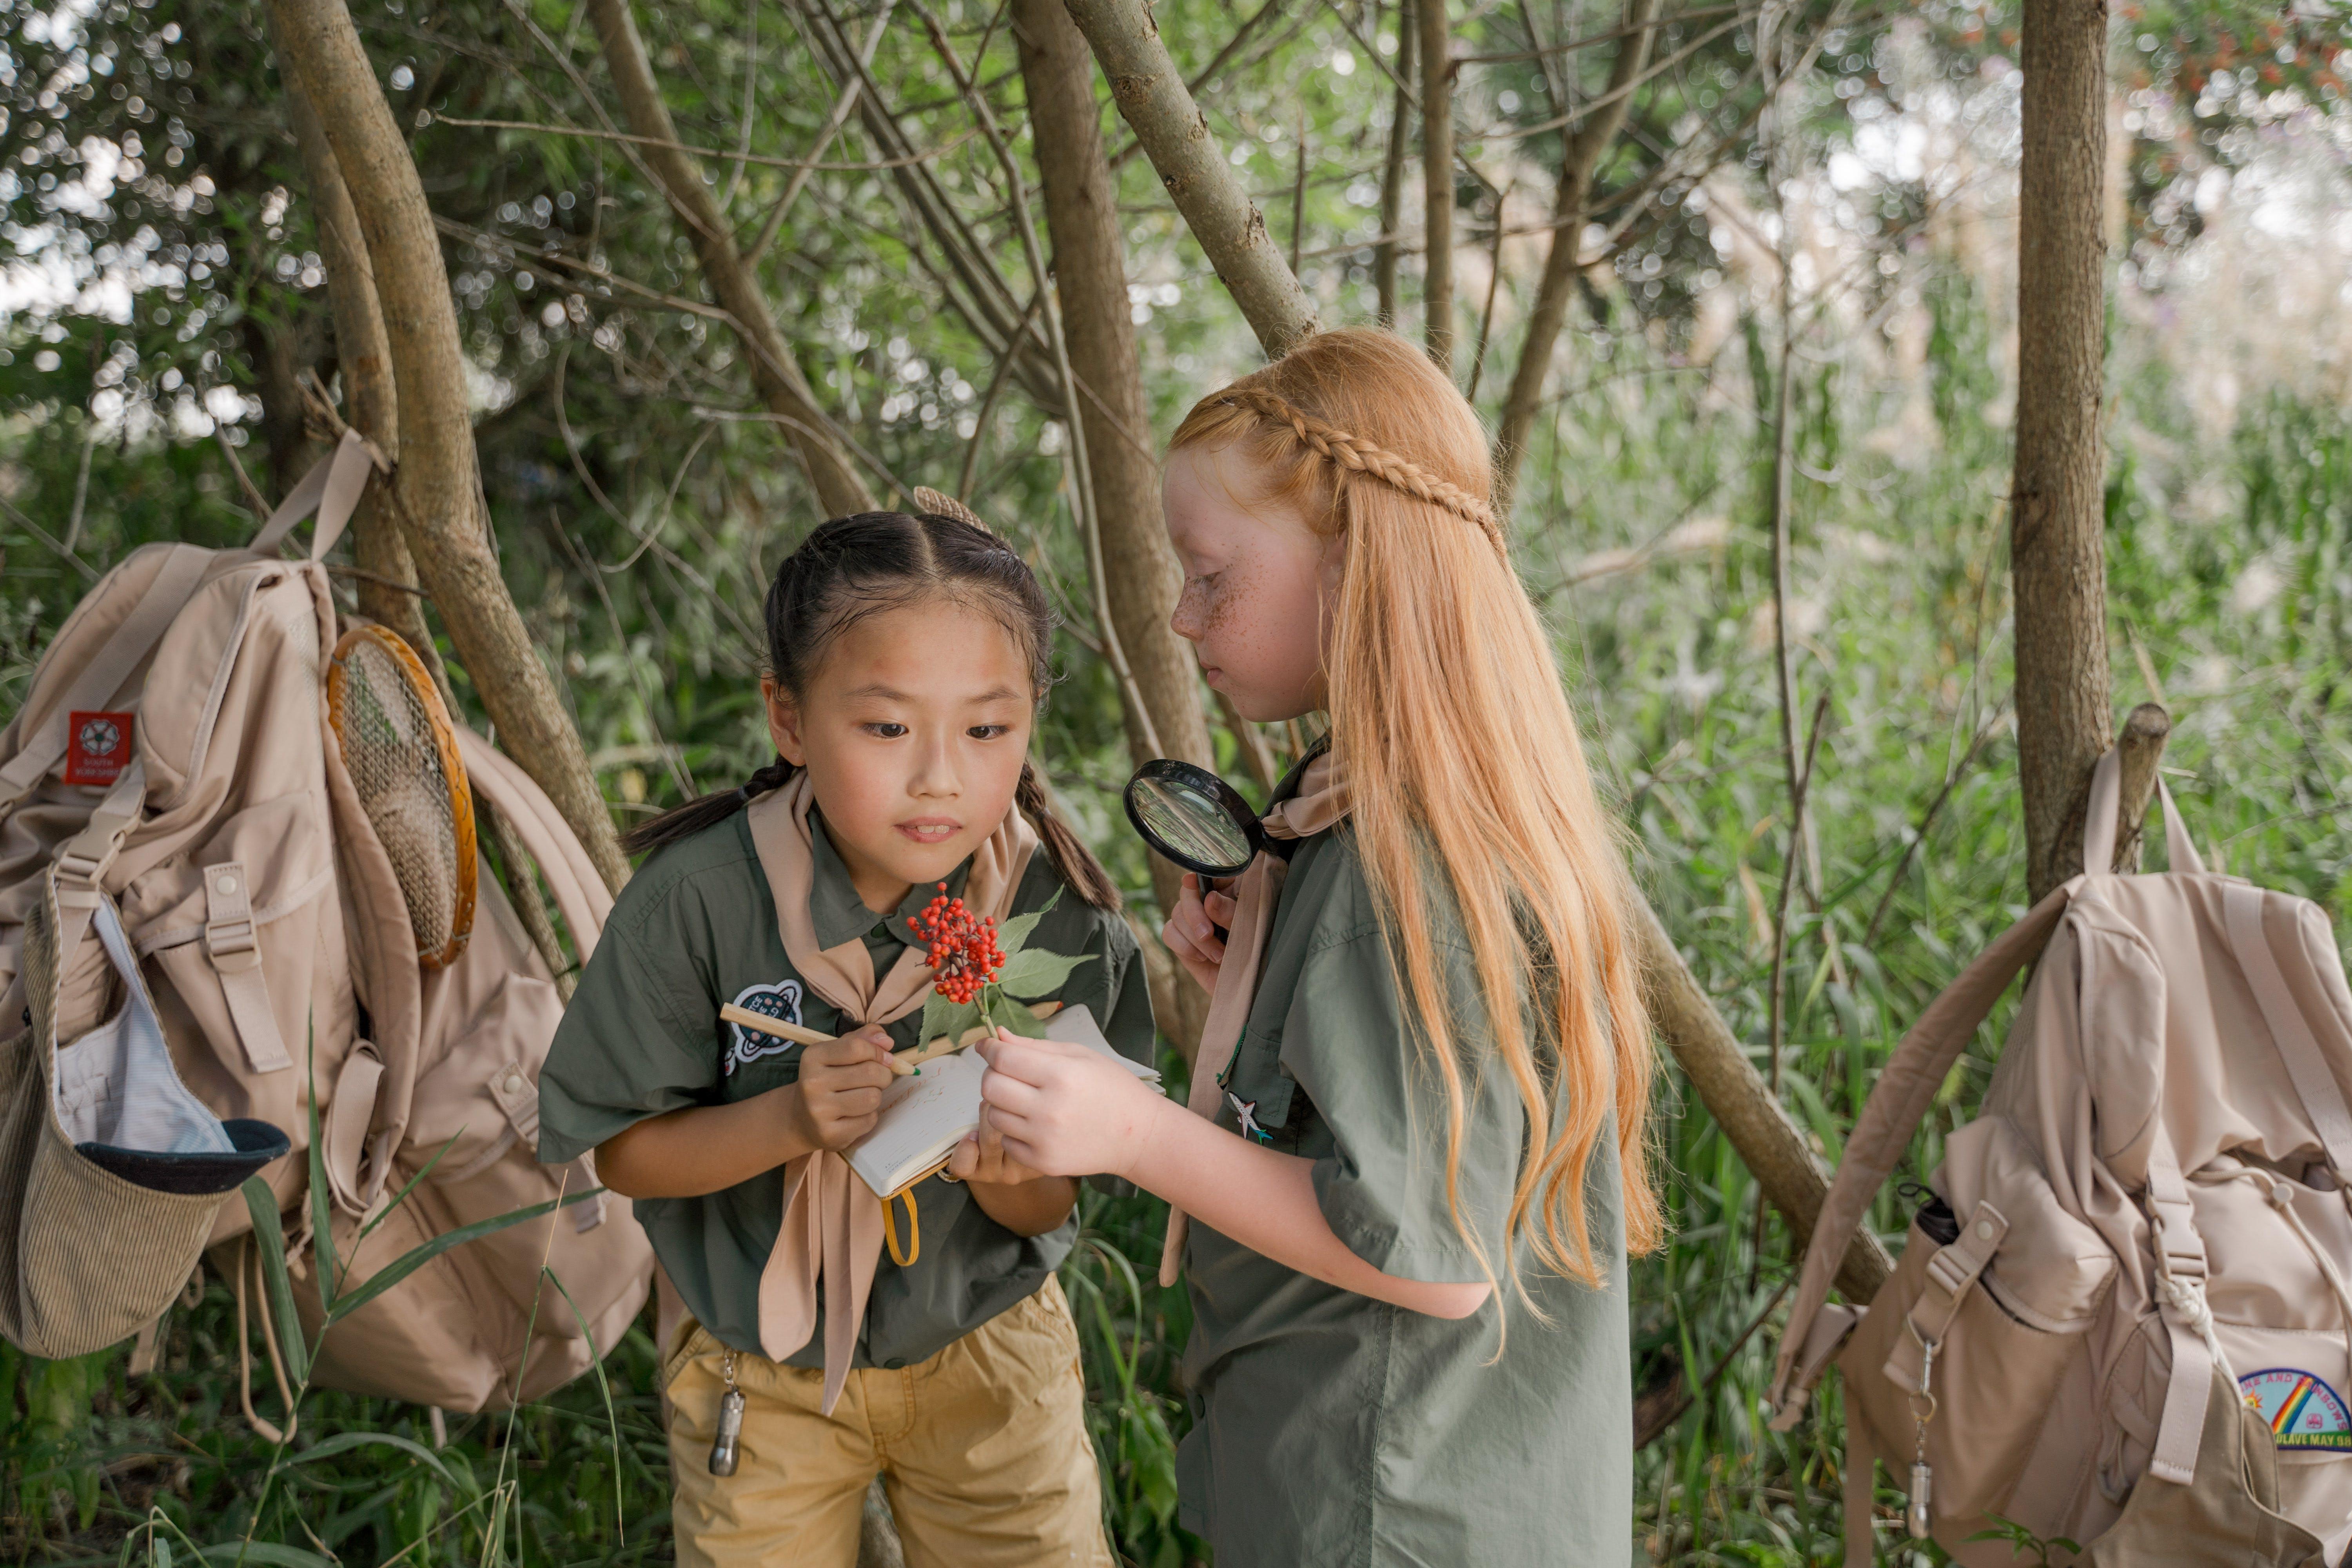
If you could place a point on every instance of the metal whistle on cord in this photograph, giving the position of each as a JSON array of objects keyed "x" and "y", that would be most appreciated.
[{"x": 724, "y": 1449}]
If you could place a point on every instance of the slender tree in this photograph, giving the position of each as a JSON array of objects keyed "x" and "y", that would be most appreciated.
[
  {"x": 435, "y": 485},
  {"x": 1384, "y": 255},
  {"x": 1173, "y": 134},
  {"x": 1141, "y": 577},
  {"x": 1437, "y": 179},
  {"x": 839, "y": 489},
  {"x": 2057, "y": 561},
  {"x": 364, "y": 362},
  {"x": 1571, "y": 200}
]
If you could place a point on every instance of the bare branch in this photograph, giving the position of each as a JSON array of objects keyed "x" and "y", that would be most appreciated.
[{"x": 760, "y": 159}]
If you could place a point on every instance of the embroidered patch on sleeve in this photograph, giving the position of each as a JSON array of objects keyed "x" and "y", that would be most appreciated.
[
  {"x": 98, "y": 747},
  {"x": 779, "y": 1001},
  {"x": 2303, "y": 1411}
]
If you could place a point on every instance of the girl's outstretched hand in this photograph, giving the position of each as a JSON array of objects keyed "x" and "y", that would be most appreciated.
[
  {"x": 1190, "y": 932},
  {"x": 1063, "y": 1110}
]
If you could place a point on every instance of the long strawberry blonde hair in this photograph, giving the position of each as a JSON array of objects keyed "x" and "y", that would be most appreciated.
[{"x": 1451, "y": 727}]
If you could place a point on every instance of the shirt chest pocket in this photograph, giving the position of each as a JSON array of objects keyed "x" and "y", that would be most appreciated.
[{"x": 1257, "y": 1090}]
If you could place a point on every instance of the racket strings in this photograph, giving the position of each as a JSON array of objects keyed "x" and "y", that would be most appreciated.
[{"x": 402, "y": 757}]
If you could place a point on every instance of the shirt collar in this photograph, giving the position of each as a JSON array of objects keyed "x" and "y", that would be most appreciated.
[{"x": 837, "y": 912}]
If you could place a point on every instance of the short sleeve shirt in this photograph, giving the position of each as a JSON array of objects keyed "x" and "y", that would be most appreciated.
[
  {"x": 1331, "y": 1428},
  {"x": 695, "y": 927}
]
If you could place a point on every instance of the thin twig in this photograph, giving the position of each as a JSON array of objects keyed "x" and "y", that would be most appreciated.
[
  {"x": 44, "y": 537},
  {"x": 760, "y": 159},
  {"x": 81, "y": 489},
  {"x": 1493, "y": 287},
  {"x": 1298, "y": 190},
  {"x": 1642, "y": 1439},
  {"x": 669, "y": 753},
  {"x": 486, "y": 239},
  {"x": 842, "y": 106},
  {"x": 1789, "y": 876},
  {"x": 1928, "y": 819},
  {"x": 261, "y": 507},
  {"x": 987, "y": 408},
  {"x": 1545, "y": 51}
]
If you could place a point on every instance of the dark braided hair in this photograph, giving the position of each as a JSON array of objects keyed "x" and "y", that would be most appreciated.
[{"x": 865, "y": 564}]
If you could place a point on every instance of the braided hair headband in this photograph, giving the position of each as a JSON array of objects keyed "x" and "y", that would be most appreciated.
[{"x": 1359, "y": 456}]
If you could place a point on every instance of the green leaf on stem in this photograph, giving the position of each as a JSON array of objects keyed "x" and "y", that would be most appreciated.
[
  {"x": 1016, "y": 932},
  {"x": 1004, "y": 1012},
  {"x": 344, "y": 1442},
  {"x": 269, "y": 1232},
  {"x": 943, "y": 1017},
  {"x": 417, "y": 1258},
  {"x": 1037, "y": 972},
  {"x": 322, "y": 1207}
]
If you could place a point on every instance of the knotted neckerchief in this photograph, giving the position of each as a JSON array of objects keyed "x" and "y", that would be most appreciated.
[
  {"x": 832, "y": 1231},
  {"x": 1321, "y": 801}
]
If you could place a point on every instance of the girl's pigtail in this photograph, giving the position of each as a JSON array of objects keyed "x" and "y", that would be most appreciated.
[
  {"x": 705, "y": 811},
  {"x": 1072, "y": 859}
]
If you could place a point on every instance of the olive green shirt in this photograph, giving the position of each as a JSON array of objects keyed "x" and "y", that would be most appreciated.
[
  {"x": 1331, "y": 1428},
  {"x": 696, "y": 927}
]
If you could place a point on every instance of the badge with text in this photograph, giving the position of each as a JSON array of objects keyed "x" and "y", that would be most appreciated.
[
  {"x": 98, "y": 747},
  {"x": 779, "y": 1001},
  {"x": 2302, "y": 1410}
]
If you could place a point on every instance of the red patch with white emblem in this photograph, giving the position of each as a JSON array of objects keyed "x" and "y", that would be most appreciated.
[{"x": 98, "y": 747}]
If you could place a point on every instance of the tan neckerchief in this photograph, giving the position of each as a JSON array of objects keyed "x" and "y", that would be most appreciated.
[
  {"x": 832, "y": 1230},
  {"x": 1321, "y": 801}
]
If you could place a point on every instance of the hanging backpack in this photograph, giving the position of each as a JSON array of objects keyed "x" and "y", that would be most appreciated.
[
  {"x": 174, "y": 762},
  {"x": 2121, "y": 1326}
]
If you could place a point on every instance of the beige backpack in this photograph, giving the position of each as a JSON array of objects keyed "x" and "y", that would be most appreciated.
[
  {"x": 172, "y": 760},
  {"x": 2122, "y": 1326}
]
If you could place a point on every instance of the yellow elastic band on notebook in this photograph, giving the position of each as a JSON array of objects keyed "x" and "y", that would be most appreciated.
[{"x": 914, "y": 1249}]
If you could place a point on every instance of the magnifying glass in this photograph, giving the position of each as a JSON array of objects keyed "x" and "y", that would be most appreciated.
[{"x": 1194, "y": 818}]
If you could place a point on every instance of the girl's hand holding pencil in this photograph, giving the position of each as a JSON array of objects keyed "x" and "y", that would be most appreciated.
[{"x": 841, "y": 1085}]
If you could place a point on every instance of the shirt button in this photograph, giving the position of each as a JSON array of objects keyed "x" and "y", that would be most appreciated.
[
  {"x": 893, "y": 1364},
  {"x": 1984, "y": 1230},
  {"x": 514, "y": 1079}
]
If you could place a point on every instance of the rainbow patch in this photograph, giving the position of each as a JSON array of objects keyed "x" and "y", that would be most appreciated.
[{"x": 2302, "y": 1410}]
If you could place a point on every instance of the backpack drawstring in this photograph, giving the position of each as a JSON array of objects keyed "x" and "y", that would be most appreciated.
[{"x": 2280, "y": 1197}]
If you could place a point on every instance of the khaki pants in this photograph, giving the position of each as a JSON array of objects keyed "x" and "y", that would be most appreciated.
[{"x": 982, "y": 1451}]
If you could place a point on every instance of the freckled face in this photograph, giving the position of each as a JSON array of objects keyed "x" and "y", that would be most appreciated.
[
  {"x": 1257, "y": 584},
  {"x": 913, "y": 730}
]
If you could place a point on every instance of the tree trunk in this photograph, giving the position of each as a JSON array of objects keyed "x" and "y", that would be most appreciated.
[
  {"x": 2057, "y": 561},
  {"x": 363, "y": 359},
  {"x": 1153, "y": 101},
  {"x": 1572, "y": 198},
  {"x": 1437, "y": 180},
  {"x": 1141, "y": 572},
  {"x": 839, "y": 489},
  {"x": 1384, "y": 257},
  {"x": 1168, "y": 124},
  {"x": 436, "y": 484}
]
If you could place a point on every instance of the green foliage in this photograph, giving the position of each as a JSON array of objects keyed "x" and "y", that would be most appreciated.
[{"x": 639, "y": 497}]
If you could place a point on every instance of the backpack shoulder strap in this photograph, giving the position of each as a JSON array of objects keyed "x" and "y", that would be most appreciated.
[
  {"x": 167, "y": 593},
  {"x": 2291, "y": 1032},
  {"x": 1905, "y": 1090},
  {"x": 331, "y": 489},
  {"x": 580, "y": 892}
]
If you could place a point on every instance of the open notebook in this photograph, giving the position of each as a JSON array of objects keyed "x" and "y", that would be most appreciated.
[{"x": 924, "y": 1117}]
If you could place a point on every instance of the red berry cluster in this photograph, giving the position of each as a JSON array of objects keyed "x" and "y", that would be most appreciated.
[{"x": 961, "y": 947}]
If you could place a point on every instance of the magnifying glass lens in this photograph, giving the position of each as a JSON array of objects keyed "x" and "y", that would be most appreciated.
[
  {"x": 1190, "y": 822},
  {"x": 1193, "y": 817}
]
